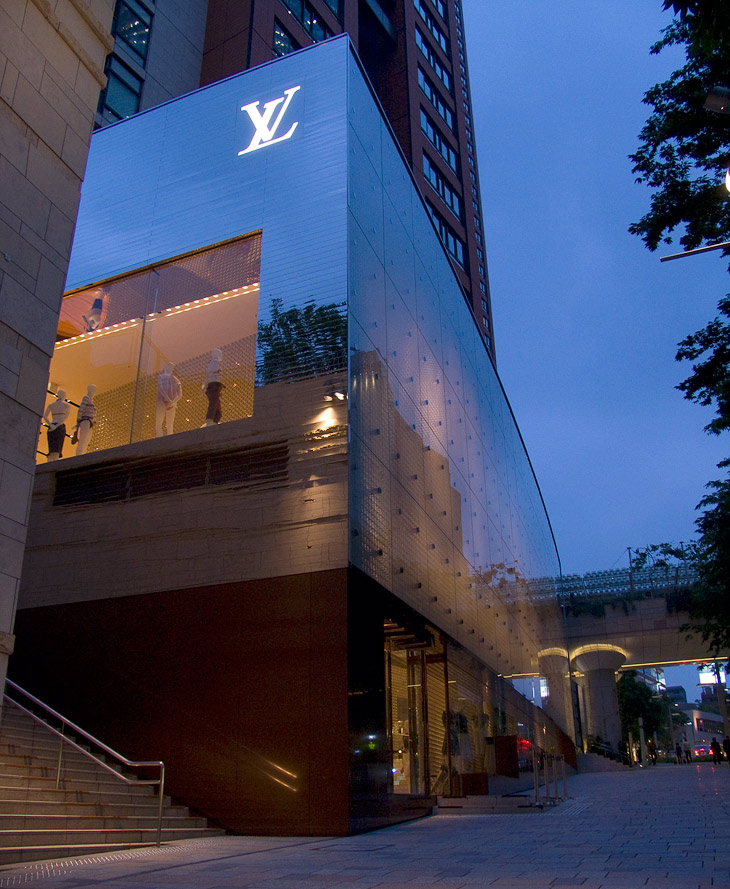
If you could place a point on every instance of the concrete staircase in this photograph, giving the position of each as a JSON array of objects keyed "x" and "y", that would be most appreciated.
[
  {"x": 594, "y": 762},
  {"x": 90, "y": 812},
  {"x": 486, "y": 805}
]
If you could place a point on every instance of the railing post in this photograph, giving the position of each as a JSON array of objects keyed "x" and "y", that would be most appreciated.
[
  {"x": 160, "y": 805},
  {"x": 536, "y": 773},
  {"x": 555, "y": 777},
  {"x": 545, "y": 775},
  {"x": 60, "y": 757},
  {"x": 565, "y": 778}
]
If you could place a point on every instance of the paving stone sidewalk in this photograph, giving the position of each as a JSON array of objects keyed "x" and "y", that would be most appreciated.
[{"x": 666, "y": 827}]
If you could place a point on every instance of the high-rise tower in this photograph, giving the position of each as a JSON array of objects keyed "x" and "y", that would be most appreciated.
[{"x": 413, "y": 52}]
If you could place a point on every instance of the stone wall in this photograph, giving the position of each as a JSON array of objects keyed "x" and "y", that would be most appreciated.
[{"x": 52, "y": 56}]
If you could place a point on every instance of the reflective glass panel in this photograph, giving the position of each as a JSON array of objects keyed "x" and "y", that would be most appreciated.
[{"x": 166, "y": 349}]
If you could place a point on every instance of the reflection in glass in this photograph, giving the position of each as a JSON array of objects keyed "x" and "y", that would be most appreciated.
[
  {"x": 147, "y": 340},
  {"x": 132, "y": 25}
]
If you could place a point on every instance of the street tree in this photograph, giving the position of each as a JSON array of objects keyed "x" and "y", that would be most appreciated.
[
  {"x": 635, "y": 700},
  {"x": 684, "y": 150},
  {"x": 683, "y": 156}
]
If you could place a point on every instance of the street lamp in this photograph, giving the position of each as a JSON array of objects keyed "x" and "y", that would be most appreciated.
[
  {"x": 697, "y": 249},
  {"x": 718, "y": 100}
]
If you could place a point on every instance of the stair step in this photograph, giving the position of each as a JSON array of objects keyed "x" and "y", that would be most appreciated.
[
  {"x": 90, "y": 811},
  {"x": 86, "y": 808},
  {"x": 141, "y": 796},
  {"x": 64, "y": 821},
  {"x": 69, "y": 849},
  {"x": 70, "y": 771},
  {"x": 12, "y": 752},
  {"x": 20, "y": 854},
  {"x": 86, "y": 836},
  {"x": 487, "y": 805},
  {"x": 77, "y": 784}
]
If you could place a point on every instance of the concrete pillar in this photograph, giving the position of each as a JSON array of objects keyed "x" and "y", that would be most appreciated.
[
  {"x": 601, "y": 698},
  {"x": 558, "y": 705}
]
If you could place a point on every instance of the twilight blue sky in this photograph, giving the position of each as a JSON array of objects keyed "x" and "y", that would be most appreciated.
[{"x": 587, "y": 319}]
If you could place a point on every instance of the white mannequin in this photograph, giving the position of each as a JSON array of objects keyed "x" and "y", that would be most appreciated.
[
  {"x": 169, "y": 392},
  {"x": 212, "y": 388},
  {"x": 56, "y": 415},
  {"x": 85, "y": 418}
]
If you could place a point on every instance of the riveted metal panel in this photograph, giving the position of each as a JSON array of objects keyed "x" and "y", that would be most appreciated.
[{"x": 444, "y": 508}]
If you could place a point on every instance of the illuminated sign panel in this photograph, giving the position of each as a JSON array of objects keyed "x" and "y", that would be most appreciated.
[
  {"x": 707, "y": 676},
  {"x": 265, "y": 131}
]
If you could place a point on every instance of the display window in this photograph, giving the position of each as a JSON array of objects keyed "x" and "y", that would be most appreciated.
[{"x": 160, "y": 350}]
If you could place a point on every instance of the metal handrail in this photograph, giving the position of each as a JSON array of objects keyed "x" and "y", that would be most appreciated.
[{"x": 77, "y": 730}]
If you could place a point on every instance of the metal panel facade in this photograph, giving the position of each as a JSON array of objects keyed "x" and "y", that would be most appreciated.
[
  {"x": 171, "y": 180},
  {"x": 445, "y": 510}
]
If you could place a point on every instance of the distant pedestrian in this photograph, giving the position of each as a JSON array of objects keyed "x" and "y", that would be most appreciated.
[
  {"x": 687, "y": 751},
  {"x": 678, "y": 753},
  {"x": 726, "y": 746},
  {"x": 716, "y": 751}
]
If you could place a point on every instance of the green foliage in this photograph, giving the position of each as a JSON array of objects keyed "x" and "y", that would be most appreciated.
[
  {"x": 707, "y": 598},
  {"x": 635, "y": 700},
  {"x": 710, "y": 607},
  {"x": 301, "y": 342},
  {"x": 683, "y": 155},
  {"x": 709, "y": 383},
  {"x": 708, "y": 19},
  {"x": 595, "y": 606},
  {"x": 684, "y": 149}
]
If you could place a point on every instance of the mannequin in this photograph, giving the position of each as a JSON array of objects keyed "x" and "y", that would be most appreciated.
[
  {"x": 169, "y": 392},
  {"x": 93, "y": 319},
  {"x": 85, "y": 418},
  {"x": 56, "y": 415},
  {"x": 212, "y": 388}
]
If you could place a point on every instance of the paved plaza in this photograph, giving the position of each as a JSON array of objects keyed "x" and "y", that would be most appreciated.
[{"x": 666, "y": 827}]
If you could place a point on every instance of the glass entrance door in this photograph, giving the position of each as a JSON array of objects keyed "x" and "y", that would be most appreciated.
[{"x": 405, "y": 676}]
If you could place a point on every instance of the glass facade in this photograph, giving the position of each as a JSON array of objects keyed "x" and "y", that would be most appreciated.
[
  {"x": 121, "y": 96},
  {"x": 283, "y": 255},
  {"x": 445, "y": 510},
  {"x": 146, "y": 341},
  {"x": 309, "y": 19},
  {"x": 132, "y": 23}
]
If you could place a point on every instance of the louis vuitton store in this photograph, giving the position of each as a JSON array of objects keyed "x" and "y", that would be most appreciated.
[{"x": 296, "y": 549}]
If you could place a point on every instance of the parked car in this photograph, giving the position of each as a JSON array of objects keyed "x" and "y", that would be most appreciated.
[{"x": 700, "y": 750}]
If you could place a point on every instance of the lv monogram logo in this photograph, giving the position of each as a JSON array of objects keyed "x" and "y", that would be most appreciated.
[{"x": 265, "y": 129}]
